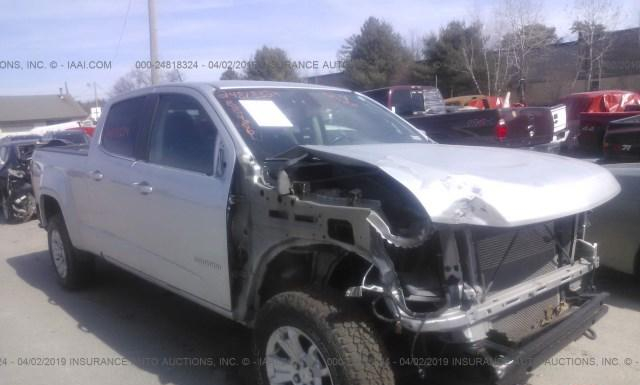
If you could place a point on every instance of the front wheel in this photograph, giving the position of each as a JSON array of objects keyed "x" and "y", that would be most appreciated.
[{"x": 312, "y": 338}]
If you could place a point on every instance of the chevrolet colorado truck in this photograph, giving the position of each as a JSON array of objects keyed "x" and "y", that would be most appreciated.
[{"x": 358, "y": 250}]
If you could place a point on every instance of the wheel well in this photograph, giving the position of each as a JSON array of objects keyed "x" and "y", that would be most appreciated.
[
  {"x": 298, "y": 268},
  {"x": 50, "y": 208}
]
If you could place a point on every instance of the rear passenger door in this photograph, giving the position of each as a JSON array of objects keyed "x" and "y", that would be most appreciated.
[
  {"x": 112, "y": 195},
  {"x": 181, "y": 201}
]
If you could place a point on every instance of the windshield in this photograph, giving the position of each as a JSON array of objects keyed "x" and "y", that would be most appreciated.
[{"x": 273, "y": 121}]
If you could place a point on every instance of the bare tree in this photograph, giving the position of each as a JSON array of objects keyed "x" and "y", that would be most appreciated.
[
  {"x": 471, "y": 48},
  {"x": 139, "y": 78},
  {"x": 524, "y": 35},
  {"x": 495, "y": 57},
  {"x": 413, "y": 42},
  {"x": 592, "y": 18}
]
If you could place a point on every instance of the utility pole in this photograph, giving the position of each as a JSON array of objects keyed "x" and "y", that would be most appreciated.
[
  {"x": 153, "y": 41},
  {"x": 95, "y": 94}
]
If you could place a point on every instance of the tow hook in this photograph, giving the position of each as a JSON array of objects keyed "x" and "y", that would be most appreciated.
[{"x": 590, "y": 334}]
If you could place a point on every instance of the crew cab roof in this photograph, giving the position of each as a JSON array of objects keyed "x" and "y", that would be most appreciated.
[{"x": 225, "y": 85}]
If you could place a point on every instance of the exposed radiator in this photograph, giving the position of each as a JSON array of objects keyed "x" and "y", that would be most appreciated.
[
  {"x": 525, "y": 252},
  {"x": 510, "y": 256}
]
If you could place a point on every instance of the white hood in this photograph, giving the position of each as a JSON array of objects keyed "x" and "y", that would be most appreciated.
[{"x": 485, "y": 185}]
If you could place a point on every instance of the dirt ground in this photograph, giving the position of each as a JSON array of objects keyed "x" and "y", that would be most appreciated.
[{"x": 126, "y": 331}]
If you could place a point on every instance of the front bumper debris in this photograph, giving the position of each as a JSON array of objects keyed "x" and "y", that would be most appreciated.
[
  {"x": 500, "y": 302},
  {"x": 513, "y": 368}
]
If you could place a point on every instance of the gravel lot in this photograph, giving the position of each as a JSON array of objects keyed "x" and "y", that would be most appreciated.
[{"x": 120, "y": 330}]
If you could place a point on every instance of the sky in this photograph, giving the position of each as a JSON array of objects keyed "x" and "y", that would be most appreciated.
[{"x": 56, "y": 38}]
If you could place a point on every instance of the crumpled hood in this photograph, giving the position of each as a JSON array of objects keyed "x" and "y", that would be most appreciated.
[{"x": 486, "y": 185}]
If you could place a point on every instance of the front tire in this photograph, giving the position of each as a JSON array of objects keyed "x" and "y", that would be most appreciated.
[
  {"x": 73, "y": 267},
  {"x": 313, "y": 338}
]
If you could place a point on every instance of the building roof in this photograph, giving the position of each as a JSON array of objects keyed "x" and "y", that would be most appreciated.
[
  {"x": 561, "y": 61},
  {"x": 623, "y": 56},
  {"x": 39, "y": 107},
  {"x": 337, "y": 79}
]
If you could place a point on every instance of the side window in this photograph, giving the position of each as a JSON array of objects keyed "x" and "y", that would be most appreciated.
[
  {"x": 183, "y": 135},
  {"x": 379, "y": 96},
  {"x": 123, "y": 124}
]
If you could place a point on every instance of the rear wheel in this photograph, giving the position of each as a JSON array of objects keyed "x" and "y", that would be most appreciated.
[
  {"x": 24, "y": 208},
  {"x": 312, "y": 338},
  {"x": 73, "y": 267}
]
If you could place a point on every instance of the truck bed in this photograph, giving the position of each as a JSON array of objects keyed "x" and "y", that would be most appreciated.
[
  {"x": 527, "y": 127},
  {"x": 71, "y": 149}
]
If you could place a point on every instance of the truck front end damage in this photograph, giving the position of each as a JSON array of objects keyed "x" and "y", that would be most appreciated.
[{"x": 509, "y": 294}]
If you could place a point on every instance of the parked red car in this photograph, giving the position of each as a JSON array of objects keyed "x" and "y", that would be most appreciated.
[
  {"x": 481, "y": 102},
  {"x": 589, "y": 114}
]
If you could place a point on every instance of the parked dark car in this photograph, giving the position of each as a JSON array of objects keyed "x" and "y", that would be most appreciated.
[
  {"x": 621, "y": 142},
  {"x": 70, "y": 136},
  {"x": 16, "y": 191},
  {"x": 505, "y": 127},
  {"x": 589, "y": 114},
  {"x": 542, "y": 128}
]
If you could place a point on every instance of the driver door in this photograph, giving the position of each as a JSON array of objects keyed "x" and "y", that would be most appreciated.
[{"x": 181, "y": 199}]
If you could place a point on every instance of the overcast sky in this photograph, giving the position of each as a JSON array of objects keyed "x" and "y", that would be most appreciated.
[{"x": 214, "y": 30}]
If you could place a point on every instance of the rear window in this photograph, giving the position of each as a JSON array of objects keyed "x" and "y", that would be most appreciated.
[
  {"x": 123, "y": 124},
  {"x": 408, "y": 102}
]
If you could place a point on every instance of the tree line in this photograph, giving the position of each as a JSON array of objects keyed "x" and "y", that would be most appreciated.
[{"x": 462, "y": 57}]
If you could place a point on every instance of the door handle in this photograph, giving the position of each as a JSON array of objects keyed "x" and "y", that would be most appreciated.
[
  {"x": 96, "y": 175},
  {"x": 221, "y": 165},
  {"x": 144, "y": 188}
]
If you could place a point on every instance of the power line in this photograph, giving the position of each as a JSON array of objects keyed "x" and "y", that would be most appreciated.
[{"x": 124, "y": 26}]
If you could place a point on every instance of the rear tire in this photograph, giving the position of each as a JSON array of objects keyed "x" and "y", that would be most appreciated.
[
  {"x": 302, "y": 337},
  {"x": 27, "y": 210},
  {"x": 74, "y": 268}
]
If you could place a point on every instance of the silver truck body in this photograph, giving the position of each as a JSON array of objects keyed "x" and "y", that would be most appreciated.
[{"x": 217, "y": 239}]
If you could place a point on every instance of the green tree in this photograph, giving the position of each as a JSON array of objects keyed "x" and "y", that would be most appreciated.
[
  {"x": 377, "y": 57},
  {"x": 271, "y": 64},
  {"x": 230, "y": 74},
  {"x": 457, "y": 56}
]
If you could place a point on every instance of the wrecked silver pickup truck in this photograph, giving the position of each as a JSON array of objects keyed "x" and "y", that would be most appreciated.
[{"x": 357, "y": 249}]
